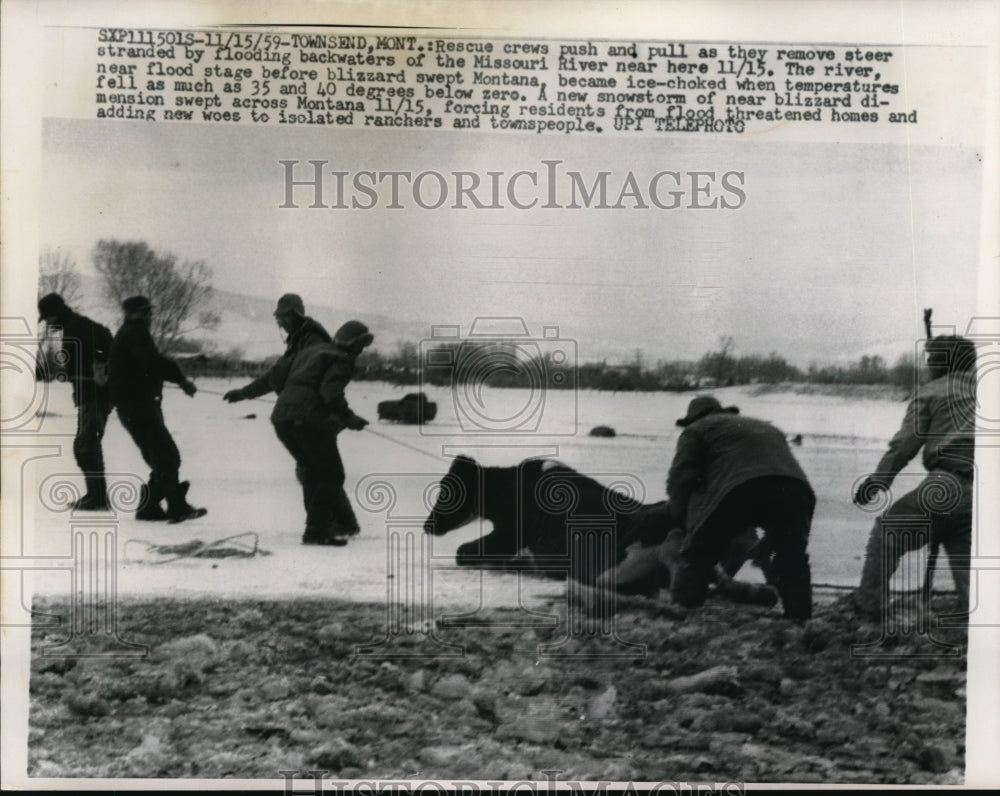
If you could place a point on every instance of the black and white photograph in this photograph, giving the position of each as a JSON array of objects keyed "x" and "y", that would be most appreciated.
[{"x": 500, "y": 396}]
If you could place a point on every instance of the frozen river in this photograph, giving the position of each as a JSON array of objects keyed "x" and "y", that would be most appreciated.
[{"x": 242, "y": 474}]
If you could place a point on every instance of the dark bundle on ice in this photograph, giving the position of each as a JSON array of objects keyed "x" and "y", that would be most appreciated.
[
  {"x": 412, "y": 409},
  {"x": 602, "y": 431}
]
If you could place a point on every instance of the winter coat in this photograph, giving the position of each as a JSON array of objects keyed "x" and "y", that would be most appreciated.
[
  {"x": 941, "y": 418},
  {"x": 309, "y": 333},
  {"x": 313, "y": 390},
  {"x": 86, "y": 345},
  {"x": 718, "y": 453},
  {"x": 137, "y": 369}
]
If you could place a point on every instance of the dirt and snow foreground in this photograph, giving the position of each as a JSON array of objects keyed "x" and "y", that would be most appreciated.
[{"x": 373, "y": 664}]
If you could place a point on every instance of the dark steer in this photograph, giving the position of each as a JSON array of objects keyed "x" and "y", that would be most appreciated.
[
  {"x": 549, "y": 518},
  {"x": 546, "y": 517}
]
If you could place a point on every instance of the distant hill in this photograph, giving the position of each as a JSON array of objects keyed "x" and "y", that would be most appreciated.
[
  {"x": 247, "y": 325},
  {"x": 247, "y": 322}
]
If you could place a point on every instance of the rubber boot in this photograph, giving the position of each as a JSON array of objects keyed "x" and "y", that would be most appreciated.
[
  {"x": 96, "y": 498},
  {"x": 325, "y": 538},
  {"x": 178, "y": 509},
  {"x": 345, "y": 523},
  {"x": 149, "y": 504}
]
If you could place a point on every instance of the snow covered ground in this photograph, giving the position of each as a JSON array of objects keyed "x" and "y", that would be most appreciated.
[{"x": 245, "y": 478}]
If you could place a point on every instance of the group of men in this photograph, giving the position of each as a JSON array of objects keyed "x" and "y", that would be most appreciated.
[
  {"x": 127, "y": 373},
  {"x": 729, "y": 474}
]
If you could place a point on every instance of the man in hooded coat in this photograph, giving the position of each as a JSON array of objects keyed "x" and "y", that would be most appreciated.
[
  {"x": 311, "y": 411},
  {"x": 729, "y": 473}
]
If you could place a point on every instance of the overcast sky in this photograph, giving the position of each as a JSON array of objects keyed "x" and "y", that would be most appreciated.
[{"x": 835, "y": 252}]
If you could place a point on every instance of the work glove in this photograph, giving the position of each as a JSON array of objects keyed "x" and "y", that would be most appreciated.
[
  {"x": 234, "y": 396},
  {"x": 189, "y": 388},
  {"x": 868, "y": 490},
  {"x": 355, "y": 423}
]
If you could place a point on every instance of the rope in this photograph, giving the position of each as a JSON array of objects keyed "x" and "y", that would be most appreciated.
[
  {"x": 404, "y": 444},
  {"x": 263, "y": 398},
  {"x": 198, "y": 549},
  {"x": 369, "y": 430}
]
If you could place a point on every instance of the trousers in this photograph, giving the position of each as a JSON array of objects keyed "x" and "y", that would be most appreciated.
[
  {"x": 144, "y": 423},
  {"x": 937, "y": 512},
  {"x": 93, "y": 409},
  {"x": 320, "y": 471},
  {"x": 782, "y": 507}
]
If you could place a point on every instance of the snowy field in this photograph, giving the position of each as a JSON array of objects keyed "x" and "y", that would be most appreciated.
[{"x": 245, "y": 478}]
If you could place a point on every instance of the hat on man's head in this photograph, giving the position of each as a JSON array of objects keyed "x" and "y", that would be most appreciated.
[
  {"x": 353, "y": 333},
  {"x": 136, "y": 304},
  {"x": 290, "y": 302},
  {"x": 950, "y": 354},
  {"x": 702, "y": 406},
  {"x": 51, "y": 304}
]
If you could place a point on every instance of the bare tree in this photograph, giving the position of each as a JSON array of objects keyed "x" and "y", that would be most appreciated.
[
  {"x": 57, "y": 274},
  {"x": 180, "y": 292}
]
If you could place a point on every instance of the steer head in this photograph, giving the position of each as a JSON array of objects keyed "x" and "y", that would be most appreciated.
[{"x": 459, "y": 498}]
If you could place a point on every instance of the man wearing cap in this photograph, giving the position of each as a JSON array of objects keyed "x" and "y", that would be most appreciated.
[
  {"x": 941, "y": 420},
  {"x": 136, "y": 374},
  {"x": 311, "y": 410},
  {"x": 730, "y": 472},
  {"x": 301, "y": 332},
  {"x": 86, "y": 346}
]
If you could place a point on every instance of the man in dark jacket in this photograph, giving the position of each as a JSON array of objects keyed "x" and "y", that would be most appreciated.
[
  {"x": 302, "y": 332},
  {"x": 311, "y": 410},
  {"x": 940, "y": 419},
  {"x": 86, "y": 346},
  {"x": 136, "y": 375},
  {"x": 728, "y": 473}
]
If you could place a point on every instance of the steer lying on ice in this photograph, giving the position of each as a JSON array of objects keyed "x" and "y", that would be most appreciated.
[{"x": 549, "y": 518}]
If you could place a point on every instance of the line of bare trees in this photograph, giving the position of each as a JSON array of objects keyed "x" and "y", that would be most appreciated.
[
  {"x": 181, "y": 292},
  {"x": 718, "y": 368}
]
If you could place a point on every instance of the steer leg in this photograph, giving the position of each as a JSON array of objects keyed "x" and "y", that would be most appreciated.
[{"x": 491, "y": 551}]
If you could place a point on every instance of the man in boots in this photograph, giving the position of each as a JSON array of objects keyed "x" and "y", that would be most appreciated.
[
  {"x": 136, "y": 375},
  {"x": 301, "y": 332},
  {"x": 86, "y": 346},
  {"x": 310, "y": 412},
  {"x": 730, "y": 473},
  {"x": 941, "y": 420}
]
